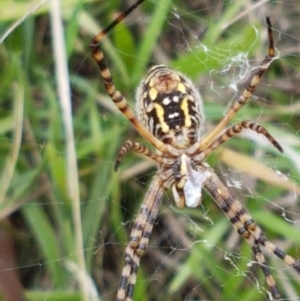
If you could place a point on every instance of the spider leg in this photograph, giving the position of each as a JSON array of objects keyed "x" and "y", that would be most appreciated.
[
  {"x": 243, "y": 98},
  {"x": 132, "y": 277},
  {"x": 247, "y": 228},
  {"x": 139, "y": 238},
  {"x": 260, "y": 239},
  {"x": 119, "y": 100},
  {"x": 290, "y": 261},
  {"x": 130, "y": 267},
  {"x": 233, "y": 131},
  {"x": 265, "y": 269},
  {"x": 138, "y": 148}
]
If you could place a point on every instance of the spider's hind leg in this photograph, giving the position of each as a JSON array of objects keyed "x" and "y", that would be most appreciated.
[{"x": 242, "y": 99}]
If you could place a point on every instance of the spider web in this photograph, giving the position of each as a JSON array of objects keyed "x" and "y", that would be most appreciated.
[{"x": 193, "y": 254}]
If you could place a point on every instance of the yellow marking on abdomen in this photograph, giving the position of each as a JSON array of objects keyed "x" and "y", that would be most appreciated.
[
  {"x": 187, "y": 118},
  {"x": 160, "y": 114},
  {"x": 153, "y": 94}
]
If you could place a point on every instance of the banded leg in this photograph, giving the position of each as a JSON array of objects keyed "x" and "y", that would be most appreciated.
[
  {"x": 289, "y": 260},
  {"x": 138, "y": 148},
  {"x": 243, "y": 98},
  {"x": 265, "y": 269},
  {"x": 233, "y": 131},
  {"x": 242, "y": 221},
  {"x": 247, "y": 228},
  {"x": 238, "y": 215},
  {"x": 139, "y": 238},
  {"x": 119, "y": 100}
]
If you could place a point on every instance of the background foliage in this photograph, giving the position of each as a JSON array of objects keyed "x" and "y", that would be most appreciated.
[{"x": 193, "y": 254}]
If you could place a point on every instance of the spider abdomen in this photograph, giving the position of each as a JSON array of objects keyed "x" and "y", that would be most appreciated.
[{"x": 170, "y": 107}]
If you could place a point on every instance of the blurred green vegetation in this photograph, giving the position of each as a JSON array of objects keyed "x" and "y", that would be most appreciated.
[{"x": 194, "y": 254}]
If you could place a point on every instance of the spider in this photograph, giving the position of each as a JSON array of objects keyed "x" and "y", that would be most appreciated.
[{"x": 170, "y": 117}]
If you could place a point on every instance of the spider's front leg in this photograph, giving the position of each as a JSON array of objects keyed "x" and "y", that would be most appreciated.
[
  {"x": 139, "y": 238},
  {"x": 247, "y": 228}
]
